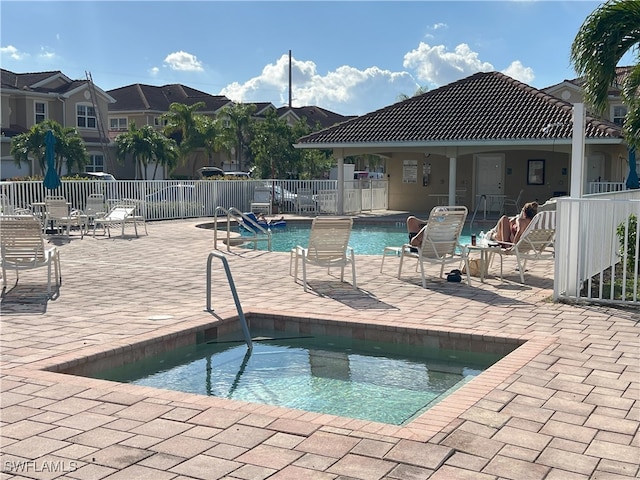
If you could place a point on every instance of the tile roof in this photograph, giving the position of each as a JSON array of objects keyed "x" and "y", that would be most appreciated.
[
  {"x": 315, "y": 115},
  {"x": 487, "y": 106},
  {"x": 26, "y": 82},
  {"x": 139, "y": 97}
]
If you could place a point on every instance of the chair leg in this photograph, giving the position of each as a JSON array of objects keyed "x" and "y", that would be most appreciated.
[
  {"x": 466, "y": 269},
  {"x": 400, "y": 266},
  {"x": 49, "y": 276},
  {"x": 520, "y": 269},
  {"x": 424, "y": 280},
  {"x": 353, "y": 270},
  {"x": 304, "y": 273}
]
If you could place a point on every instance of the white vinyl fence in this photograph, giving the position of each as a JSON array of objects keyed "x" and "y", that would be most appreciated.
[
  {"x": 172, "y": 199},
  {"x": 597, "y": 248}
]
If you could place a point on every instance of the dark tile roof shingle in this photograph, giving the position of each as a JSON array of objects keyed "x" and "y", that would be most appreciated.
[
  {"x": 26, "y": 82},
  {"x": 138, "y": 97},
  {"x": 482, "y": 107}
]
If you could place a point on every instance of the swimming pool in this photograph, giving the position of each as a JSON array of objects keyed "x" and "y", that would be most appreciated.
[
  {"x": 367, "y": 380},
  {"x": 366, "y": 239}
]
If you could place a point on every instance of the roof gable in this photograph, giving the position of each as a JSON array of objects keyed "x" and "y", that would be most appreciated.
[
  {"x": 486, "y": 106},
  {"x": 313, "y": 115}
]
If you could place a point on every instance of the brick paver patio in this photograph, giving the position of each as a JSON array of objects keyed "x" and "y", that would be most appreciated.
[{"x": 564, "y": 406}]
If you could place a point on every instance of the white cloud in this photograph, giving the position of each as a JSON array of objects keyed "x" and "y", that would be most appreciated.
[
  {"x": 519, "y": 72},
  {"x": 346, "y": 90},
  {"x": 153, "y": 71},
  {"x": 437, "y": 66},
  {"x": 183, "y": 61},
  {"x": 439, "y": 26},
  {"x": 46, "y": 54},
  {"x": 12, "y": 52}
]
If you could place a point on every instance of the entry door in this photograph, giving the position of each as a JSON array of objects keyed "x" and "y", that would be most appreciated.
[
  {"x": 595, "y": 170},
  {"x": 490, "y": 180}
]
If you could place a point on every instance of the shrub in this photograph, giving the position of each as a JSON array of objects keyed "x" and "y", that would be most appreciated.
[{"x": 627, "y": 233}]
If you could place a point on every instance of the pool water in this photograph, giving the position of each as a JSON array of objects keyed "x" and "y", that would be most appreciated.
[
  {"x": 375, "y": 381},
  {"x": 365, "y": 239}
]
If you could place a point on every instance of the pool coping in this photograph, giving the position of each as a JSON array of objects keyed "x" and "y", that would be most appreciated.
[{"x": 421, "y": 428}]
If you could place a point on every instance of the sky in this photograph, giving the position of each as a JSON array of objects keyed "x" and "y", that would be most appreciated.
[{"x": 350, "y": 57}]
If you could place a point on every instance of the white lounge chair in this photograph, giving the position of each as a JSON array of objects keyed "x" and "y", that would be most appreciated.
[
  {"x": 440, "y": 241},
  {"x": 261, "y": 200},
  {"x": 23, "y": 247},
  {"x": 118, "y": 216},
  {"x": 536, "y": 241},
  {"x": 328, "y": 247}
]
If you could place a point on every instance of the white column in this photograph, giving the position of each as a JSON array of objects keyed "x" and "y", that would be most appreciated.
[
  {"x": 571, "y": 234},
  {"x": 577, "y": 151},
  {"x": 340, "y": 204},
  {"x": 452, "y": 180}
]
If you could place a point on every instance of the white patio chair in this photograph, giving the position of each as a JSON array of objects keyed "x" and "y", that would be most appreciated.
[
  {"x": 261, "y": 200},
  {"x": 95, "y": 207},
  {"x": 58, "y": 214},
  {"x": 7, "y": 208},
  {"x": 305, "y": 201},
  {"x": 328, "y": 247},
  {"x": 536, "y": 242},
  {"x": 22, "y": 247},
  {"x": 514, "y": 203},
  {"x": 440, "y": 241}
]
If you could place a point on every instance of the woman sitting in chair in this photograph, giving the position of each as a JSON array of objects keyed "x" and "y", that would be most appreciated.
[
  {"x": 415, "y": 226},
  {"x": 508, "y": 230}
]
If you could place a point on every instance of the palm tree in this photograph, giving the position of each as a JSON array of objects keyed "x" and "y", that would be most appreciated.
[
  {"x": 211, "y": 136},
  {"x": 238, "y": 132},
  {"x": 182, "y": 122},
  {"x": 608, "y": 33},
  {"x": 70, "y": 149},
  {"x": 145, "y": 145},
  {"x": 419, "y": 91},
  {"x": 165, "y": 153}
]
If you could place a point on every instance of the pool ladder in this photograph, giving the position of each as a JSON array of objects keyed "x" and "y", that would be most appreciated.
[
  {"x": 256, "y": 232},
  {"x": 234, "y": 292}
]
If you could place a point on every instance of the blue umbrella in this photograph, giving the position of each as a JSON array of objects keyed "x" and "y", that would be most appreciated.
[
  {"x": 632, "y": 179},
  {"x": 51, "y": 179}
]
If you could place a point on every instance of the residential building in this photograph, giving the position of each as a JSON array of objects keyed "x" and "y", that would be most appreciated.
[
  {"x": 30, "y": 98},
  {"x": 479, "y": 139}
]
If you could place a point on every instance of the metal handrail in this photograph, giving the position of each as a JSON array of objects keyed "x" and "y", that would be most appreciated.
[
  {"x": 234, "y": 292},
  {"x": 234, "y": 213},
  {"x": 475, "y": 210}
]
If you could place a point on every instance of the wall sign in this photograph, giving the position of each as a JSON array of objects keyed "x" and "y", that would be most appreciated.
[{"x": 410, "y": 171}]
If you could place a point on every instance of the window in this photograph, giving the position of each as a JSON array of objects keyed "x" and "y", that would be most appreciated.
[
  {"x": 619, "y": 112},
  {"x": 160, "y": 122},
  {"x": 86, "y": 116},
  {"x": 96, "y": 163},
  {"x": 41, "y": 111},
  {"x": 118, "y": 123}
]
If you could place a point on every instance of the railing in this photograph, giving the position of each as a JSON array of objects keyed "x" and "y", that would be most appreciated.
[
  {"x": 605, "y": 187},
  {"x": 234, "y": 292},
  {"x": 595, "y": 259},
  {"x": 172, "y": 199},
  {"x": 235, "y": 217}
]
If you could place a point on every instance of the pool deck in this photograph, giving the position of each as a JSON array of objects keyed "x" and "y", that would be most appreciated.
[{"x": 564, "y": 406}]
